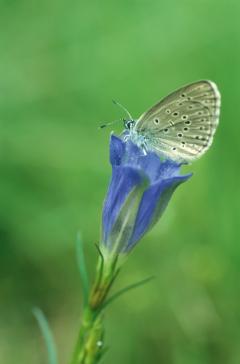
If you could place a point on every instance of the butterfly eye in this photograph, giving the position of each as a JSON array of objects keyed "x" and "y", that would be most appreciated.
[{"x": 129, "y": 124}]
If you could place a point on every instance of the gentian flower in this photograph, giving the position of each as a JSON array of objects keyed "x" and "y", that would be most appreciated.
[{"x": 139, "y": 191}]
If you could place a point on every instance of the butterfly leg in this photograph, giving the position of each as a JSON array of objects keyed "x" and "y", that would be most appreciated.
[{"x": 126, "y": 137}]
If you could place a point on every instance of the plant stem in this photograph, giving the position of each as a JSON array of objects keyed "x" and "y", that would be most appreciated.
[{"x": 89, "y": 347}]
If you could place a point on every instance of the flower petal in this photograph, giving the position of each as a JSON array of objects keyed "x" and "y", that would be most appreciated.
[
  {"x": 152, "y": 206},
  {"x": 117, "y": 150},
  {"x": 123, "y": 227},
  {"x": 156, "y": 168},
  {"x": 124, "y": 179}
]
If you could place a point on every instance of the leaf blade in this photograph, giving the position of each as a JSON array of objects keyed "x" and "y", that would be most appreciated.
[
  {"x": 47, "y": 335},
  {"x": 126, "y": 289},
  {"x": 82, "y": 269}
]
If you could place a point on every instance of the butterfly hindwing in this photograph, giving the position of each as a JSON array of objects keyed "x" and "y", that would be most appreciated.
[{"x": 181, "y": 126}]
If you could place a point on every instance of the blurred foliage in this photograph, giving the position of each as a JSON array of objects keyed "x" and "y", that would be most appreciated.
[{"x": 61, "y": 63}]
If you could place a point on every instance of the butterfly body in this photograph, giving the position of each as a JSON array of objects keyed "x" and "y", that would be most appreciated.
[{"x": 182, "y": 125}]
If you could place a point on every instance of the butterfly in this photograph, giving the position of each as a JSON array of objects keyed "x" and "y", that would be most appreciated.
[{"x": 181, "y": 126}]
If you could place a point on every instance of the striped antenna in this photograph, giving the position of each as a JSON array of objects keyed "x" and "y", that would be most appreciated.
[
  {"x": 123, "y": 108},
  {"x": 107, "y": 124}
]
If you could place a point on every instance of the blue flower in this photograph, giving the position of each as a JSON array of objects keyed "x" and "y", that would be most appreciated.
[{"x": 140, "y": 189}]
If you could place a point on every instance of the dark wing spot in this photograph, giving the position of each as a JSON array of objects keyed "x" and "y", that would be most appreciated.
[
  {"x": 174, "y": 148},
  {"x": 188, "y": 122},
  {"x": 185, "y": 129},
  {"x": 166, "y": 130},
  {"x": 168, "y": 111},
  {"x": 156, "y": 121},
  {"x": 184, "y": 117},
  {"x": 180, "y": 135},
  {"x": 175, "y": 113}
]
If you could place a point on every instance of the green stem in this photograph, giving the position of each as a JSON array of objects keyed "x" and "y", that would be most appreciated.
[
  {"x": 89, "y": 347},
  {"x": 89, "y": 344}
]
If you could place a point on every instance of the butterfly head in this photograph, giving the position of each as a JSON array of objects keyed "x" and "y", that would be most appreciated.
[{"x": 129, "y": 124}]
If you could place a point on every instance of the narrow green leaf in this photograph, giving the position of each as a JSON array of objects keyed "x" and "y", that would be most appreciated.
[
  {"x": 82, "y": 269},
  {"x": 100, "y": 265},
  {"x": 126, "y": 289},
  {"x": 47, "y": 335}
]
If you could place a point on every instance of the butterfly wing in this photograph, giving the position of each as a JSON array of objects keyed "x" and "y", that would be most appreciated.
[{"x": 181, "y": 126}]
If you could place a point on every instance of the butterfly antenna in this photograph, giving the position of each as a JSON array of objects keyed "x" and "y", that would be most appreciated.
[
  {"x": 122, "y": 107},
  {"x": 107, "y": 124}
]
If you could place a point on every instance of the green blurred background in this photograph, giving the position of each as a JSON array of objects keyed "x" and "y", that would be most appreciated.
[{"x": 61, "y": 63}]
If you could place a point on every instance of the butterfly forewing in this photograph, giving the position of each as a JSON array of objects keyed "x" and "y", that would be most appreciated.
[{"x": 181, "y": 126}]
